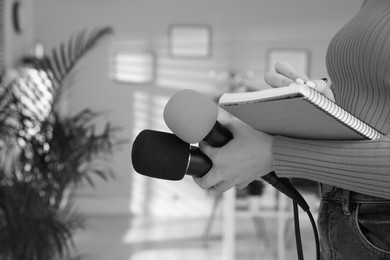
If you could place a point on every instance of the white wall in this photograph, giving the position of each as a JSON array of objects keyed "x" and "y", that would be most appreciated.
[{"x": 242, "y": 33}]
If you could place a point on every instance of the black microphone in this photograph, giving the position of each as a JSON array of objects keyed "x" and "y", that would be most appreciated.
[
  {"x": 193, "y": 117},
  {"x": 165, "y": 156}
]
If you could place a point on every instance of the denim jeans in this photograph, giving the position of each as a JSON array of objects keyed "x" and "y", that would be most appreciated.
[{"x": 353, "y": 226}]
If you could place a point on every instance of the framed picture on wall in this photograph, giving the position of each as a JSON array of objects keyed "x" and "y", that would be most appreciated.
[
  {"x": 189, "y": 41},
  {"x": 297, "y": 58}
]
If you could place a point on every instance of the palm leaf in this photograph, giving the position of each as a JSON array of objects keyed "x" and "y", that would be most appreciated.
[
  {"x": 62, "y": 60},
  {"x": 30, "y": 229},
  {"x": 65, "y": 150}
]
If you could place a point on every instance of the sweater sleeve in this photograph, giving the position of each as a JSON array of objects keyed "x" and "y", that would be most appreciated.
[
  {"x": 361, "y": 166},
  {"x": 358, "y": 64}
]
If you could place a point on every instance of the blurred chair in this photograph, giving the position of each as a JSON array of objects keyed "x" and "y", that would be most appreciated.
[{"x": 247, "y": 199}]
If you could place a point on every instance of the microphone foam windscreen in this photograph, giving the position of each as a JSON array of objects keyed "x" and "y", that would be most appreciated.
[
  {"x": 160, "y": 155},
  {"x": 190, "y": 115}
]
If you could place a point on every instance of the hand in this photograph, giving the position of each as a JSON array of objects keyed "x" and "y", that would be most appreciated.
[
  {"x": 286, "y": 75},
  {"x": 246, "y": 158}
]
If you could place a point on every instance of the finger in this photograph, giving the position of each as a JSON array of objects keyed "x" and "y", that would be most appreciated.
[
  {"x": 243, "y": 185},
  {"x": 206, "y": 148},
  {"x": 318, "y": 85},
  {"x": 222, "y": 187},
  {"x": 329, "y": 94},
  {"x": 276, "y": 80},
  {"x": 199, "y": 181},
  {"x": 288, "y": 71},
  {"x": 208, "y": 181},
  {"x": 322, "y": 87}
]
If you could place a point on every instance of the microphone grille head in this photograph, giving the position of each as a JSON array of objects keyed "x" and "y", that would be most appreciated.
[
  {"x": 160, "y": 155},
  {"x": 190, "y": 115}
]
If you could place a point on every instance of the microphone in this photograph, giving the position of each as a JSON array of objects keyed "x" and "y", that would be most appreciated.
[
  {"x": 193, "y": 117},
  {"x": 165, "y": 156}
]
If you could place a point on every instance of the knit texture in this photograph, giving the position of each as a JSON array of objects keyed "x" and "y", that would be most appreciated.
[{"x": 358, "y": 63}]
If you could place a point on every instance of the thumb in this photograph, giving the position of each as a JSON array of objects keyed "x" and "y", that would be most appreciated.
[{"x": 323, "y": 87}]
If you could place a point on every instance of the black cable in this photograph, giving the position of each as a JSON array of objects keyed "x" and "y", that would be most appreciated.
[
  {"x": 298, "y": 239},
  {"x": 303, "y": 204},
  {"x": 317, "y": 240}
]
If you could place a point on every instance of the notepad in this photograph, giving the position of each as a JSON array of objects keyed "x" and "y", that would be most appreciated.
[{"x": 296, "y": 111}]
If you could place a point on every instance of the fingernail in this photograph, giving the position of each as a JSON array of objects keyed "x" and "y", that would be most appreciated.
[
  {"x": 311, "y": 84},
  {"x": 300, "y": 81}
]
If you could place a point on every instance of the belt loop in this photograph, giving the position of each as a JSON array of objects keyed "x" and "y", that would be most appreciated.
[{"x": 345, "y": 202}]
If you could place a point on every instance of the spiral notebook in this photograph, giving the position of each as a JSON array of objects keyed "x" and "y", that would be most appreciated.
[{"x": 296, "y": 111}]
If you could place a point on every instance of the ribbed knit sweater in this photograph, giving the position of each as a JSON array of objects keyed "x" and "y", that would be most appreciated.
[{"x": 358, "y": 63}]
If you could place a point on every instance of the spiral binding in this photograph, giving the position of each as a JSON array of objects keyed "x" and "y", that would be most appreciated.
[{"x": 319, "y": 100}]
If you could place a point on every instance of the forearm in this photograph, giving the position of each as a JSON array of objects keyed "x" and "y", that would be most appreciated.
[{"x": 361, "y": 166}]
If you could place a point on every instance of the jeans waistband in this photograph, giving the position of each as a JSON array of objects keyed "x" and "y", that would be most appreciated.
[{"x": 339, "y": 194}]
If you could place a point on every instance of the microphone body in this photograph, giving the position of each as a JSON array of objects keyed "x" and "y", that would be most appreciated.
[
  {"x": 165, "y": 156},
  {"x": 217, "y": 136},
  {"x": 198, "y": 163}
]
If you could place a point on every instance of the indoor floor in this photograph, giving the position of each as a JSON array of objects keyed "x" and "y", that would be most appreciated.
[{"x": 110, "y": 237}]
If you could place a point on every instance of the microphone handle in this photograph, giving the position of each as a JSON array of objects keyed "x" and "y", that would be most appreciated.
[
  {"x": 198, "y": 163},
  {"x": 284, "y": 185},
  {"x": 220, "y": 135}
]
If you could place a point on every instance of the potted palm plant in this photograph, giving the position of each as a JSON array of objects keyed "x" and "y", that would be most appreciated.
[{"x": 44, "y": 153}]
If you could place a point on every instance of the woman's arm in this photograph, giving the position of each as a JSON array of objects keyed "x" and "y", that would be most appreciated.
[{"x": 361, "y": 166}]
